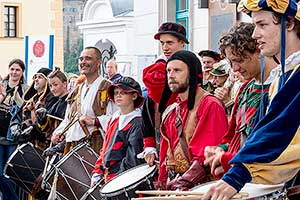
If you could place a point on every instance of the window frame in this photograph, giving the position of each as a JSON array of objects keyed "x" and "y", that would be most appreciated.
[
  {"x": 7, "y": 28},
  {"x": 183, "y": 16},
  {"x": 18, "y": 20}
]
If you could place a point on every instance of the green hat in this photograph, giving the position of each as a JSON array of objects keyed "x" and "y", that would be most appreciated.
[{"x": 221, "y": 68}]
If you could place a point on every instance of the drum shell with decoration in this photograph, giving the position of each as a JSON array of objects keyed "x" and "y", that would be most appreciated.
[
  {"x": 24, "y": 166},
  {"x": 74, "y": 173},
  {"x": 124, "y": 185}
]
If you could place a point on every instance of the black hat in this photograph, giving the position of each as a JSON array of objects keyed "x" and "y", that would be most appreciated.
[
  {"x": 31, "y": 92},
  {"x": 127, "y": 84},
  {"x": 195, "y": 77},
  {"x": 172, "y": 28},
  {"x": 44, "y": 72},
  {"x": 209, "y": 53}
]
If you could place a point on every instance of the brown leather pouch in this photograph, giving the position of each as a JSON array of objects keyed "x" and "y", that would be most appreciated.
[{"x": 178, "y": 161}]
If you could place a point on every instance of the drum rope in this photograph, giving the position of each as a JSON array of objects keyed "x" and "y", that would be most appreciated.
[
  {"x": 29, "y": 168},
  {"x": 67, "y": 182},
  {"x": 73, "y": 179},
  {"x": 19, "y": 179}
]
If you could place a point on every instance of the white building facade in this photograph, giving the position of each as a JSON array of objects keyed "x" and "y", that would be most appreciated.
[{"x": 128, "y": 35}]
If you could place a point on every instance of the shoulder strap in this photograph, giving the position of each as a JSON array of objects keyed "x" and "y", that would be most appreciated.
[
  {"x": 192, "y": 120},
  {"x": 101, "y": 98}
]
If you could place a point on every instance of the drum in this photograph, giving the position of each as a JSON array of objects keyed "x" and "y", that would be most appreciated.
[
  {"x": 73, "y": 173},
  {"x": 24, "y": 166},
  {"x": 92, "y": 193},
  {"x": 254, "y": 191},
  {"x": 124, "y": 185}
]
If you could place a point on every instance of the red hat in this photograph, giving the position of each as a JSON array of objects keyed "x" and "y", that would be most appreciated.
[{"x": 174, "y": 29}]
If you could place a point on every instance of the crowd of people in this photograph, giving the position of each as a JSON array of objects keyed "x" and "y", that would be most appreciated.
[{"x": 228, "y": 116}]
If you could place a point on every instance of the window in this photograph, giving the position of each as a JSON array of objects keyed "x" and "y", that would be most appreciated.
[
  {"x": 182, "y": 14},
  {"x": 10, "y": 21}
]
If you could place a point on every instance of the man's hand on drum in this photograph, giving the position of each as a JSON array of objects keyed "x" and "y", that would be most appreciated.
[
  {"x": 56, "y": 138},
  {"x": 150, "y": 158},
  {"x": 219, "y": 191},
  {"x": 96, "y": 178},
  {"x": 149, "y": 154},
  {"x": 86, "y": 120}
]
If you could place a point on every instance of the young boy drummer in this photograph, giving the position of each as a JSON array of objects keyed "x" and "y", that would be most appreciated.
[{"x": 124, "y": 133}]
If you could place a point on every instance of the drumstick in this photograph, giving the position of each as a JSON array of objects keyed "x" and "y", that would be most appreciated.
[
  {"x": 167, "y": 192},
  {"x": 54, "y": 117},
  {"x": 69, "y": 126},
  {"x": 189, "y": 197},
  {"x": 167, "y": 197},
  {"x": 46, "y": 164}
]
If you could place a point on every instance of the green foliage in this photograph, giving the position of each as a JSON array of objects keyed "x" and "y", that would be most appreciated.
[{"x": 71, "y": 58}]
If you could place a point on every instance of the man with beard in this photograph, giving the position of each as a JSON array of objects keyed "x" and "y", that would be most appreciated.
[
  {"x": 271, "y": 153},
  {"x": 88, "y": 103},
  {"x": 37, "y": 96},
  {"x": 172, "y": 37},
  {"x": 188, "y": 125}
]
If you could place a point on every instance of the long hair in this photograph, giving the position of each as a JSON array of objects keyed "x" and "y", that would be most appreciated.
[{"x": 21, "y": 64}]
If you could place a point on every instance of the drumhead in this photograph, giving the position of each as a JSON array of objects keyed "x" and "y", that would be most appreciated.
[
  {"x": 253, "y": 190},
  {"x": 128, "y": 178}
]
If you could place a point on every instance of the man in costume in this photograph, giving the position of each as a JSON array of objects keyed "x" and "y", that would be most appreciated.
[
  {"x": 271, "y": 153},
  {"x": 187, "y": 125},
  {"x": 172, "y": 37},
  {"x": 208, "y": 59},
  {"x": 112, "y": 70},
  {"x": 88, "y": 104},
  {"x": 37, "y": 96},
  {"x": 220, "y": 79},
  {"x": 220, "y": 73},
  {"x": 253, "y": 96},
  {"x": 124, "y": 133}
]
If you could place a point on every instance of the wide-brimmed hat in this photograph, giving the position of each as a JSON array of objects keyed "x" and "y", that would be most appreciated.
[
  {"x": 221, "y": 68},
  {"x": 172, "y": 28},
  {"x": 129, "y": 85}
]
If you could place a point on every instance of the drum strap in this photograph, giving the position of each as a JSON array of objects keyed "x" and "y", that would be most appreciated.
[{"x": 180, "y": 153}]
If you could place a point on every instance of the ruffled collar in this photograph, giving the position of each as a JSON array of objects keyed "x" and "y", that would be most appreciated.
[
  {"x": 292, "y": 61},
  {"x": 125, "y": 119}
]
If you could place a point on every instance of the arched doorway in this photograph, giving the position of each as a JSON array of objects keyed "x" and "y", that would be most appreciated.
[{"x": 108, "y": 51}]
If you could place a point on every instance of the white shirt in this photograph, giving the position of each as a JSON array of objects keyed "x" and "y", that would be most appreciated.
[{"x": 87, "y": 96}]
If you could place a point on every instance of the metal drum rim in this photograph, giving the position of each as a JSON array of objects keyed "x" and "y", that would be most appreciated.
[{"x": 130, "y": 186}]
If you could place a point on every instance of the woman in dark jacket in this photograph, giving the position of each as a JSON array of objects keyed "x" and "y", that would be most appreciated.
[{"x": 11, "y": 91}]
